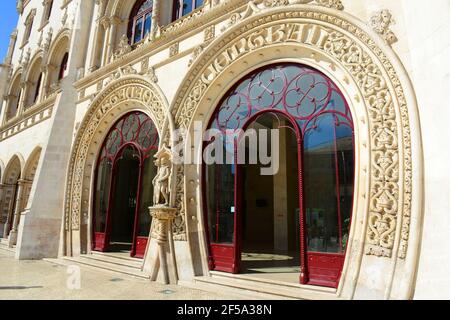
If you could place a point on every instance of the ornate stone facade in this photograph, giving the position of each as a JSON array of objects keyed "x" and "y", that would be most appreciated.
[{"x": 176, "y": 75}]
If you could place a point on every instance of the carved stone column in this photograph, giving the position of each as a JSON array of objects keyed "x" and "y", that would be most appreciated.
[
  {"x": 114, "y": 22},
  {"x": 51, "y": 78},
  {"x": 93, "y": 64},
  {"x": 2, "y": 186},
  {"x": 155, "y": 29},
  {"x": 161, "y": 233},
  {"x": 17, "y": 212},
  {"x": 12, "y": 43},
  {"x": 43, "y": 89},
  {"x": 23, "y": 97},
  {"x": 8, "y": 100},
  {"x": 106, "y": 27},
  {"x": 9, "y": 213}
]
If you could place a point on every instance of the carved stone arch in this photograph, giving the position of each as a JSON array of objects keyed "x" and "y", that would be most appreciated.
[
  {"x": 118, "y": 12},
  {"x": 17, "y": 74},
  {"x": 388, "y": 192},
  {"x": 16, "y": 79},
  {"x": 120, "y": 9},
  {"x": 29, "y": 174},
  {"x": 60, "y": 45},
  {"x": 30, "y": 166},
  {"x": 36, "y": 60},
  {"x": 32, "y": 76},
  {"x": 2, "y": 170},
  {"x": 14, "y": 169},
  {"x": 11, "y": 176},
  {"x": 128, "y": 93},
  {"x": 13, "y": 96}
]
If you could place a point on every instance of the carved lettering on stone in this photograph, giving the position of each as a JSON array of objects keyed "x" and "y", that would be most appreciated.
[{"x": 385, "y": 210}]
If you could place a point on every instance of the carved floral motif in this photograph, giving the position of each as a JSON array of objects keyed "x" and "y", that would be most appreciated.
[
  {"x": 122, "y": 48},
  {"x": 387, "y": 129},
  {"x": 124, "y": 91},
  {"x": 381, "y": 22}
]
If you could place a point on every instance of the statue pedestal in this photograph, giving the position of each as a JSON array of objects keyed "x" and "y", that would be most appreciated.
[{"x": 161, "y": 265}]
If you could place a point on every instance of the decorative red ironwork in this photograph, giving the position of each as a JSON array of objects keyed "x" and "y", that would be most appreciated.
[
  {"x": 135, "y": 130},
  {"x": 320, "y": 116},
  {"x": 299, "y": 91}
]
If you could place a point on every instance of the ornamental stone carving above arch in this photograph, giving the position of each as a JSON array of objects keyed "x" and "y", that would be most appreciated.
[
  {"x": 124, "y": 95},
  {"x": 369, "y": 62}
]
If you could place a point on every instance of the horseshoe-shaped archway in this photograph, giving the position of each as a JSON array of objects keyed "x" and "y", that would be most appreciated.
[
  {"x": 127, "y": 94},
  {"x": 388, "y": 193}
]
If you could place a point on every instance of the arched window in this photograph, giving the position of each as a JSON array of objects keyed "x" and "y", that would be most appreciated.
[
  {"x": 140, "y": 20},
  {"x": 301, "y": 212},
  {"x": 63, "y": 66},
  {"x": 124, "y": 185},
  {"x": 28, "y": 27},
  {"x": 48, "y": 6},
  {"x": 184, "y": 7},
  {"x": 38, "y": 88},
  {"x": 14, "y": 98}
]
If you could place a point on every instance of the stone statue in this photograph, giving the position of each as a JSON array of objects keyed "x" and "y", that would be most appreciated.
[{"x": 161, "y": 181}]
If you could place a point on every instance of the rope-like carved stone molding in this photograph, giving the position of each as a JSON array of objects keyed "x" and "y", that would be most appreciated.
[
  {"x": 128, "y": 90},
  {"x": 253, "y": 8},
  {"x": 387, "y": 208}
]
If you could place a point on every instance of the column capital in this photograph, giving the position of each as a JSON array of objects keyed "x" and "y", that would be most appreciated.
[
  {"x": 23, "y": 182},
  {"x": 105, "y": 22},
  {"x": 115, "y": 20},
  {"x": 163, "y": 217}
]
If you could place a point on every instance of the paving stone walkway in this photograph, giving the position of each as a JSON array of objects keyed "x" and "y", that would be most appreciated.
[{"x": 41, "y": 280}]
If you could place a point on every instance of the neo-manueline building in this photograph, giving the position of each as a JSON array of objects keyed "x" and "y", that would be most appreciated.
[{"x": 358, "y": 208}]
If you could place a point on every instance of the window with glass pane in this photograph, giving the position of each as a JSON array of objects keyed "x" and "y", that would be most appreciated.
[
  {"x": 134, "y": 137},
  {"x": 184, "y": 7},
  {"x": 102, "y": 190},
  {"x": 324, "y": 125},
  {"x": 140, "y": 20},
  {"x": 220, "y": 202},
  {"x": 146, "y": 201},
  {"x": 328, "y": 180}
]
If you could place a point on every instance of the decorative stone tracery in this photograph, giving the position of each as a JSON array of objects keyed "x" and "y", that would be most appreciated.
[
  {"x": 127, "y": 93},
  {"x": 390, "y": 146}
]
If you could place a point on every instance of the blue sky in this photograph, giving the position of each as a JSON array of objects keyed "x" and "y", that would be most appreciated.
[{"x": 8, "y": 22}]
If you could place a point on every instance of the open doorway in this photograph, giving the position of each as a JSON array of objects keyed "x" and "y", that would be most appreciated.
[
  {"x": 124, "y": 189},
  {"x": 123, "y": 210},
  {"x": 270, "y": 207}
]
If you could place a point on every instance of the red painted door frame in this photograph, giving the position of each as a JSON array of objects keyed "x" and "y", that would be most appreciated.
[
  {"x": 106, "y": 236},
  {"x": 101, "y": 240},
  {"x": 316, "y": 268}
]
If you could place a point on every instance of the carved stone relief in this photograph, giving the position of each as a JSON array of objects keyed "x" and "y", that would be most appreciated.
[
  {"x": 390, "y": 195},
  {"x": 127, "y": 90}
]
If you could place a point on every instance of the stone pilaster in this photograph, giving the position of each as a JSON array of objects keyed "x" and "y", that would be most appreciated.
[
  {"x": 160, "y": 263},
  {"x": 155, "y": 30},
  {"x": 111, "y": 38},
  {"x": 43, "y": 89},
  {"x": 105, "y": 23},
  {"x": 17, "y": 212},
  {"x": 9, "y": 213},
  {"x": 24, "y": 87},
  {"x": 1, "y": 209},
  {"x": 46, "y": 212}
]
